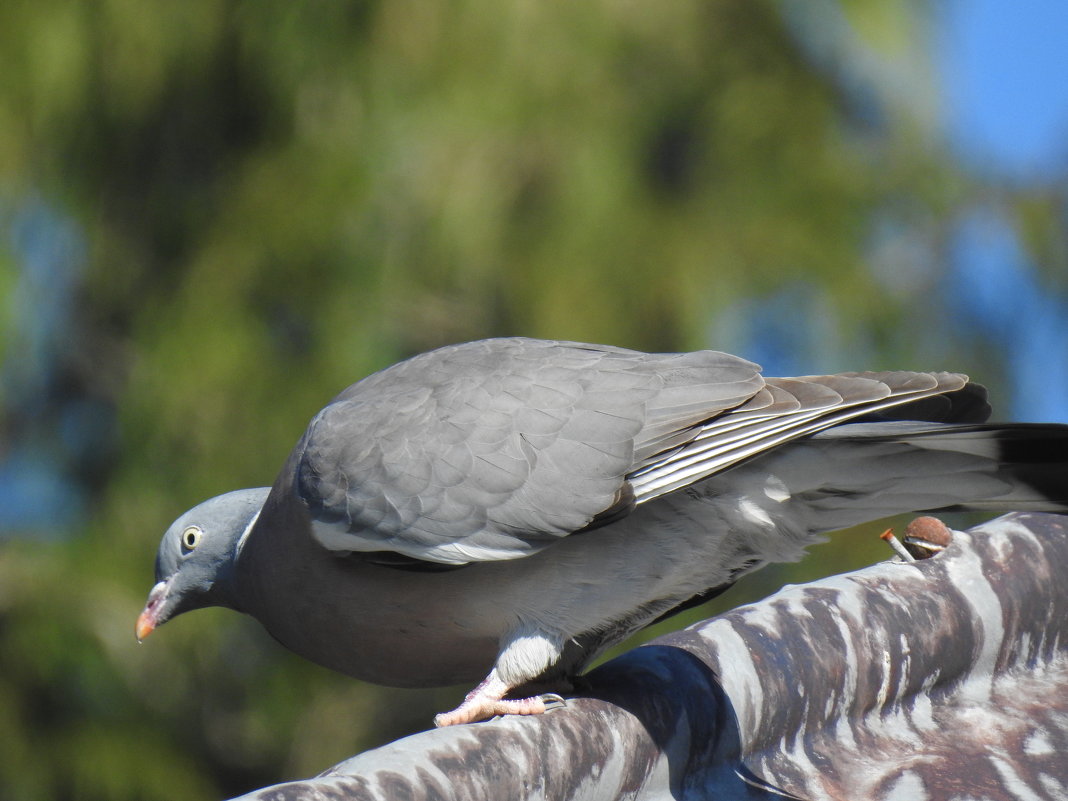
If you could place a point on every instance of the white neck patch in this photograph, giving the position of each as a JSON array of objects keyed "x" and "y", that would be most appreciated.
[{"x": 244, "y": 534}]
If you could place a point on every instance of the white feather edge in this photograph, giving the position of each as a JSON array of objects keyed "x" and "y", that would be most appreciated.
[
  {"x": 723, "y": 443},
  {"x": 246, "y": 532},
  {"x": 336, "y": 537}
]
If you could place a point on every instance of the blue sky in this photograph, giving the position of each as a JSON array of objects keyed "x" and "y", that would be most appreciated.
[
  {"x": 1004, "y": 68},
  {"x": 1005, "y": 75}
]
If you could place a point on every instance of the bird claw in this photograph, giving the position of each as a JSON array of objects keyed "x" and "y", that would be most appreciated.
[{"x": 552, "y": 701}]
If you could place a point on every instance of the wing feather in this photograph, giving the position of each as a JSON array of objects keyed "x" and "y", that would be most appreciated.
[
  {"x": 495, "y": 449},
  {"x": 738, "y": 436}
]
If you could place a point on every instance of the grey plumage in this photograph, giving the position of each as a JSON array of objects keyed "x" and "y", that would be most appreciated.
[
  {"x": 494, "y": 449},
  {"x": 511, "y": 507}
]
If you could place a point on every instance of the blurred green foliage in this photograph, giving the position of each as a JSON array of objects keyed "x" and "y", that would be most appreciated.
[{"x": 280, "y": 197}]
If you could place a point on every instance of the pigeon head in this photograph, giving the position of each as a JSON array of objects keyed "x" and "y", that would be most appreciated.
[{"x": 194, "y": 565}]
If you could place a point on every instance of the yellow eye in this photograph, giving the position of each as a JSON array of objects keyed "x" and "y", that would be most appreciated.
[{"x": 191, "y": 537}]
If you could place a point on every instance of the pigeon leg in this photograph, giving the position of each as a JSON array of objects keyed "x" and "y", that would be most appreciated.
[{"x": 487, "y": 700}]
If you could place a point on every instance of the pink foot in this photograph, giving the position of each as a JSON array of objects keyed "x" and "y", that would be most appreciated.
[{"x": 487, "y": 701}]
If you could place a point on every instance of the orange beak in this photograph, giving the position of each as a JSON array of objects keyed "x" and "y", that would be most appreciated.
[
  {"x": 145, "y": 626},
  {"x": 149, "y": 617}
]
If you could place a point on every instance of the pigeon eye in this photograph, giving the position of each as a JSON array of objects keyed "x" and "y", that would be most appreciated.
[{"x": 191, "y": 538}]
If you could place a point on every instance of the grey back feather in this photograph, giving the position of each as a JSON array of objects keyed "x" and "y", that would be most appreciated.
[{"x": 494, "y": 449}]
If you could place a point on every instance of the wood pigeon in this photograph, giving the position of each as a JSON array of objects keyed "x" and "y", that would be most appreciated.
[{"x": 507, "y": 509}]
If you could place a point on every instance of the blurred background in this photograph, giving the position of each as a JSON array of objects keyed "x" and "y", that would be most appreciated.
[{"x": 215, "y": 214}]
